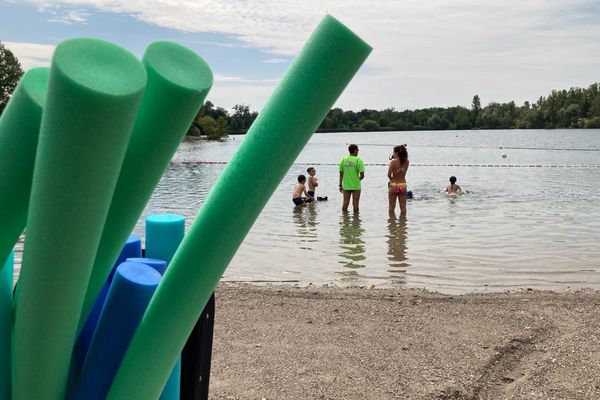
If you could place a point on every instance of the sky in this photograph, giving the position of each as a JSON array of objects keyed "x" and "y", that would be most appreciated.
[{"x": 427, "y": 53}]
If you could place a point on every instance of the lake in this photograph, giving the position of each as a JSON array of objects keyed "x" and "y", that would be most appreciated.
[{"x": 529, "y": 220}]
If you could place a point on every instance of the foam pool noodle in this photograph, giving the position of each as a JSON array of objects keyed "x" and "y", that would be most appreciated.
[
  {"x": 314, "y": 81},
  {"x": 159, "y": 265},
  {"x": 128, "y": 296},
  {"x": 132, "y": 248},
  {"x": 164, "y": 233},
  {"x": 178, "y": 82},
  {"x": 6, "y": 295},
  {"x": 94, "y": 91},
  {"x": 19, "y": 130}
]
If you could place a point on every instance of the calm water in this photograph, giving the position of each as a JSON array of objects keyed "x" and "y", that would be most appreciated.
[{"x": 531, "y": 219}]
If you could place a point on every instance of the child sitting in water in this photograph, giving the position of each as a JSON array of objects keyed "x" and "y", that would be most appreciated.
[
  {"x": 453, "y": 189},
  {"x": 300, "y": 189}
]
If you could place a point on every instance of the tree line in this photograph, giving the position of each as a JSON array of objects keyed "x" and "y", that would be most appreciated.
[{"x": 573, "y": 108}]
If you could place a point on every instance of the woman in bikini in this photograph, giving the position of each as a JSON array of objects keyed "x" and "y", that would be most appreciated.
[{"x": 397, "y": 175}]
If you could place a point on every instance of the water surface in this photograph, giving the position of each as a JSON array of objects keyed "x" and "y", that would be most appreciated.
[{"x": 529, "y": 220}]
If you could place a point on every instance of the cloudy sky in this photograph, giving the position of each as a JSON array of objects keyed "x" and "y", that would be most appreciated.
[{"x": 426, "y": 52}]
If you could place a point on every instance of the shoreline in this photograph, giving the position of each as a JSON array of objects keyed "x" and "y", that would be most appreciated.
[{"x": 287, "y": 342}]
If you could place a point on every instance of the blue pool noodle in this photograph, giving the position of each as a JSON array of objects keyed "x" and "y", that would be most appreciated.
[
  {"x": 132, "y": 248},
  {"x": 159, "y": 265},
  {"x": 130, "y": 292},
  {"x": 164, "y": 233},
  {"x": 6, "y": 295}
]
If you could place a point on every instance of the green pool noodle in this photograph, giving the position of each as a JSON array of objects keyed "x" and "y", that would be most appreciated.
[
  {"x": 19, "y": 130},
  {"x": 94, "y": 91},
  {"x": 316, "y": 78},
  {"x": 178, "y": 82},
  {"x": 6, "y": 295}
]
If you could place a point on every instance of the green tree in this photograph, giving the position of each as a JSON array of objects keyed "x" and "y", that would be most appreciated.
[
  {"x": 208, "y": 126},
  {"x": 10, "y": 73},
  {"x": 369, "y": 125},
  {"x": 475, "y": 109},
  {"x": 592, "y": 123},
  {"x": 462, "y": 118}
]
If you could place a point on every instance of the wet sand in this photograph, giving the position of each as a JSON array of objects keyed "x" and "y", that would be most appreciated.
[{"x": 356, "y": 343}]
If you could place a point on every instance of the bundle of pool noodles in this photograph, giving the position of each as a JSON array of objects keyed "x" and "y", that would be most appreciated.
[{"x": 108, "y": 126}]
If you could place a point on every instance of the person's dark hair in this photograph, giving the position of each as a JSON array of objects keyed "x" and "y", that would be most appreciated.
[
  {"x": 352, "y": 148},
  {"x": 402, "y": 153},
  {"x": 309, "y": 169},
  {"x": 301, "y": 178},
  {"x": 453, "y": 179}
]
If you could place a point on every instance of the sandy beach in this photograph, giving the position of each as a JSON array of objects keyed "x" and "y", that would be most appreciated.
[{"x": 283, "y": 342}]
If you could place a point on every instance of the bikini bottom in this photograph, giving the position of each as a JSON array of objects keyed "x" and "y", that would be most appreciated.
[{"x": 397, "y": 188}]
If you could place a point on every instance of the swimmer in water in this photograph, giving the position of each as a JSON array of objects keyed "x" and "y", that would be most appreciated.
[{"x": 453, "y": 189}]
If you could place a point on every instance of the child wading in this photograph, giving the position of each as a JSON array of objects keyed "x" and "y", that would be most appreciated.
[{"x": 312, "y": 181}]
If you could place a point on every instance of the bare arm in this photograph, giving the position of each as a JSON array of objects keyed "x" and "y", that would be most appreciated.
[
  {"x": 341, "y": 179},
  {"x": 390, "y": 169},
  {"x": 362, "y": 176}
]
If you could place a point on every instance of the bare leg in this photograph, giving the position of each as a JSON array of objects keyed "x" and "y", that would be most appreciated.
[
  {"x": 392, "y": 200},
  {"x": 346, "y": 202},
  {"x": 355, "y": 200},
  {"x": 402, "y": 201}
]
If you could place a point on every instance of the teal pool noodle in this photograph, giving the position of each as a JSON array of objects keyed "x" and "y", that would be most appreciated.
[
  {"x": 129, "y": 294},
  {"x": 164, "y": 233},
  {"x": 172, "y": 389},
  {"x": 19, "y": 130},
  {"x": 94, "y": 91},
  {"x": 302, "y": 99},
  {"x": 178, "y": 82},
  {"x": 6, "y": 295}
]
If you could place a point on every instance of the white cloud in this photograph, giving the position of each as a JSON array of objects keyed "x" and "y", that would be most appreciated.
[
  {"x": 274, "y": 61},
  {"x": 70, "y": 17},
  {"x": 426, "y": 53},
  {"x": 238, "y": 79},
  {"x": 31, "y": 54}
]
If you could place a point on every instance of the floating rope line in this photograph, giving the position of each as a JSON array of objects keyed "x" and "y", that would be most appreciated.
[{"x": 592, "y": 166}]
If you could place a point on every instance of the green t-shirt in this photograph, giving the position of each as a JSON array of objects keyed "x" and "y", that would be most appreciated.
[{"x": 352, "y": 166}]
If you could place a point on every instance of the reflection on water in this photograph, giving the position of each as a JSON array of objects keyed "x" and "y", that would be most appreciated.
[
  {"x": 396, "y": 240},
  {"x": 305, "y": 221},
  {"x": 352, "y": 244}
]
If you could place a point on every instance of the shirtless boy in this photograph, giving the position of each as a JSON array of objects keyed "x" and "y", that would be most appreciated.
[
  {"x": 299, "y": 190},
  {"x": 312, "y": 181}
]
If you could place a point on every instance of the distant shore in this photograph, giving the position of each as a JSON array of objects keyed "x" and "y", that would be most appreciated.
[{"x": 284, "y": 342}]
